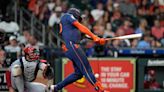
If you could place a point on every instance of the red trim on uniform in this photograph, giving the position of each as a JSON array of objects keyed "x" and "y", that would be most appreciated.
[
  {"x": 43, "y": 61},
  {"x": 64, "y": 48},
  {"x": 8, "y": 78}
]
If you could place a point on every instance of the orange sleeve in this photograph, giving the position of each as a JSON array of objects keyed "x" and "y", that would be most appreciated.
[{"x": 85, "y": 30}]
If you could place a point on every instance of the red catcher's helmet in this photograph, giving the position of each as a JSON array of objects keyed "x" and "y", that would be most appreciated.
[{"x": 32, "y": 52}]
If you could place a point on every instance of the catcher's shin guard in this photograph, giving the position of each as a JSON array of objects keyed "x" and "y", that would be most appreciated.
[{"x": 99, "y": 87}]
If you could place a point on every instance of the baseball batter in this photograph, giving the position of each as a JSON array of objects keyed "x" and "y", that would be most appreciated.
[{"x": 70, "y": 30}]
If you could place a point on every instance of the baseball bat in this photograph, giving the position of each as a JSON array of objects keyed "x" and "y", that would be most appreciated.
[{"x": 131, "y": 36}]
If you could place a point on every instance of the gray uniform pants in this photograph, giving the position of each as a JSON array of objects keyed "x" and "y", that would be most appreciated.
[{"x": 19, "y": 84}]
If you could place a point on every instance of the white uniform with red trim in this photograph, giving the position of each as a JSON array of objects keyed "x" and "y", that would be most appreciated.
[{"x": 22, "y": 77}]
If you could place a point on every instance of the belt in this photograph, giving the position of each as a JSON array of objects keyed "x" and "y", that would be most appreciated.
[{"x": 65, "y": 49}]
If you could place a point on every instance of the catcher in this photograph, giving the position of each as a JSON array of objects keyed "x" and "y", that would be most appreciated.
[{"x": 24, "y": 70}]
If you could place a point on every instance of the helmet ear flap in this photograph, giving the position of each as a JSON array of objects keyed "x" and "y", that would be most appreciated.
[{"x": 80, "y": 19}]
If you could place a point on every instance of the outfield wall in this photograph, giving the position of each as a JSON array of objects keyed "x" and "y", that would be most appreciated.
[
  {"x": 112, "y": 69},
  {"x": 116, "y": 74}
]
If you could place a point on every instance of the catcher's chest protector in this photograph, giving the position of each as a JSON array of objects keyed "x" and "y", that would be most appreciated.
[{"x": 29, "y": 69}]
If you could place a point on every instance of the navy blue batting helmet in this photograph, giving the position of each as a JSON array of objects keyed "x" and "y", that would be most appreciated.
[{"x": 76, "y": 13}]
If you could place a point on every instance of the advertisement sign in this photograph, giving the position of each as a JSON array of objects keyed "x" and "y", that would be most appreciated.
[
  {"x": 116, "y": 75},
  {"x": 3, "y": 84}
]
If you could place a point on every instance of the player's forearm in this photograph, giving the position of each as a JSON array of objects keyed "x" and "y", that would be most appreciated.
[
  {"x": 84, "y": 29},
  {"x": 11, "y": 89}
]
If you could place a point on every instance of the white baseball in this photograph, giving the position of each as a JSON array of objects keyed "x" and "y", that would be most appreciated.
[{"x": 97, "y": 75}]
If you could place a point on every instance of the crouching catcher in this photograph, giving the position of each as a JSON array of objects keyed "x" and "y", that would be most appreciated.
[{"x": 24, "y": 70}]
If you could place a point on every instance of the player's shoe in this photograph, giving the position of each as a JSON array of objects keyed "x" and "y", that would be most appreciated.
[
  {"x": 99, "y": 87},
  {"x": 98, "y": 90},
  {"x": 102, "y": 91},
  {"x": 53, "y": 88}
]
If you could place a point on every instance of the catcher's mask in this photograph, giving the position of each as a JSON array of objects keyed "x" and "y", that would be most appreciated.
[{"x": 32, "y": 53}]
